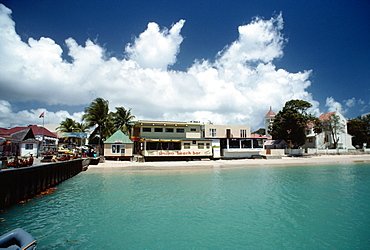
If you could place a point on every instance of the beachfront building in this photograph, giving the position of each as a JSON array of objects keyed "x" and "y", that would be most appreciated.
[
  {"x": 324, "y": 140},
  {"x": 232, "y": 141},
  {"x": 118, "y": 146},
  {"x": 169, "y": 139},
  {"x": 31, "y": 140}
]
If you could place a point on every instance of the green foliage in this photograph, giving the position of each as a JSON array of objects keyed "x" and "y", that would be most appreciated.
[
  {"x": 359, "y": 128},
  {"x": 122, "y": 119},
  {"x": 260, "y": 131},
  {"x": 80, "y": 127},
  {"x": 291, "y": 122},
  {"x": 97, "y": 115},
  {"x": 106, "y": 123},
  {"x": 67, "y": 125}
]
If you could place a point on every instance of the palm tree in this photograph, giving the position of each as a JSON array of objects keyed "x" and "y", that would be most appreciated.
[
  {"x": 80, "y": 127},
  {"x": 122, "y": 120},
  {"x": 97, "y": 115},
  {"x": 67, "y": 126}
]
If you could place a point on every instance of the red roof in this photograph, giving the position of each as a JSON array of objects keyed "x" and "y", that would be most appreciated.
[
  {"x": 258, "y": 136},
  {"x": 325, "y": 117},
  {"x": 35, "y": 129},
  {"x": 270, "y": 113}
]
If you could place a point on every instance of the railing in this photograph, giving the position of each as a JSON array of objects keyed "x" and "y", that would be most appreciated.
[{"x": 23, "y": 183}]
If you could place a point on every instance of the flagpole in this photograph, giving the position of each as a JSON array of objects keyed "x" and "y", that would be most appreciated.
[{"x": 43, "y": 132}]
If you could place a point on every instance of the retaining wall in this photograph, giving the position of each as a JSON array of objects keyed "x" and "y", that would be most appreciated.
[{"x": 23, "y": 183}]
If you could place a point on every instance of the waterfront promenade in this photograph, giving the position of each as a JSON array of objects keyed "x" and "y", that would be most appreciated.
[{"x": 225, "y": 164}]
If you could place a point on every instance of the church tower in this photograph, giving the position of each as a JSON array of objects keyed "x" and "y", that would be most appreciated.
[{"x": 269, "y": 119}]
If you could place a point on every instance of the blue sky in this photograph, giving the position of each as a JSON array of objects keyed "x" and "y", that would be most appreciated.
[{"x": 220, "y": 61}]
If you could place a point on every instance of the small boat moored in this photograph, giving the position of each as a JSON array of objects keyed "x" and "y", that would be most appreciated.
[{"x": 17, "y": 239}]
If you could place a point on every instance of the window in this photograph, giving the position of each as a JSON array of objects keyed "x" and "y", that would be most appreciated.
[
  {"x": 200, "y": 145},
  {"x": 177, "y": 145},
  {"x": 147, "y": 129},
  {"x": 257, "y": 143},
  {"x": 152, "y": 146},
  {"x": 116, "y": 149},
  {"x": 29, "y": 146},
  {"x": 246, "y": 143},
  {"x": 165, "y": 145},
  {"x": 158, "y": 129},
  {"x": 208, "y": 145},
  {"x": 243, "y": 133},
  {"x": 212, "y": 132},
  {"x": 180, "y": 130},
  {"x": 193, "y": 129},
  {"x": 234, "y": 143},
  {"x": 169, "y": 130},
  {"x": 186, "y": 145}
]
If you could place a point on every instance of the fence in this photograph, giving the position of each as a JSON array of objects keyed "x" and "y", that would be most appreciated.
[{"x": 23, "y": 183}]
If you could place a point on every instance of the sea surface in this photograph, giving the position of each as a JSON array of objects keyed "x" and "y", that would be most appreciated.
[{"x": 302, "y": 207}]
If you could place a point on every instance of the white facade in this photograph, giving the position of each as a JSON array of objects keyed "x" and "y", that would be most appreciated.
[
  {"x": 233, "y": 141},
  {"x": 324, "y": 140},
  {"x": 28, "y": 148},
  {"x": 171, "y": 139}
]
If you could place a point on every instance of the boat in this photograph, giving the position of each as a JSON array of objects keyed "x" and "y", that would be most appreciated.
[{"x": 17, "y": 239}]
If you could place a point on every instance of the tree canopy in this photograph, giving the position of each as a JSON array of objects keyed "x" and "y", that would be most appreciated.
[
  {"x": 97, "y": 115},
  {"x": 106, "y": 123},
  {"x": 359, "y": 128},
  {"x": 291, "y": 123},
  {"x": 122, "y": 119}
]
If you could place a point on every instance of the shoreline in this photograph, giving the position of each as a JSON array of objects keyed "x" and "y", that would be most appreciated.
[{"x": 228, "y": 164}]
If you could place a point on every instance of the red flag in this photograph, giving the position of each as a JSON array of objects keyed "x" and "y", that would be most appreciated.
[{"x": 41, "y": 115}]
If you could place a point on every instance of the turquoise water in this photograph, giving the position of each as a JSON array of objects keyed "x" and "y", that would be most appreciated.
[{"x": 305, "y": 207}]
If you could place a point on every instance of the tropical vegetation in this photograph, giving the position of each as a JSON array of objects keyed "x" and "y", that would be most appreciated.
[
  {"x": 291, "y": 123},
  {"x": 359, "y": 128},
  {"x": 105, "y": 123}
]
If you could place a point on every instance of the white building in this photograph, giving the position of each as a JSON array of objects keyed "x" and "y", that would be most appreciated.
[
  {"x": 233, "y": 141},
  {"x": 170, "y": 139},
  {"x": 324, "y": 140}
]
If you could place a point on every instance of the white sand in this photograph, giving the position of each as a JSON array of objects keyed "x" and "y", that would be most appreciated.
[{"x": 224, "y": 164}]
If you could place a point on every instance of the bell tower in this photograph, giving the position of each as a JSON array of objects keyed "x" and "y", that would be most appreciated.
[{"x": 269, "y": 119}]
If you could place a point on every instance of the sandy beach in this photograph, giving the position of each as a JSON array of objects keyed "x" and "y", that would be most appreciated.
[{"x": 225, "y": 164}]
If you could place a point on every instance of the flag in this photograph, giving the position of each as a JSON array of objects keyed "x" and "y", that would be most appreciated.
[{"x": 41, "y": 115}]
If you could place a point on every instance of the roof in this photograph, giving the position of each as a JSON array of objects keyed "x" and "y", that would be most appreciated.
[
  {"x": 275, "y": 142},
  {"x": 258, "y": 136},
  {"x": 174, "y": 139},
  {"x": 35, "y": 129},
  {"x": 270, "y": 113},
  {"x": 8, "y": 138},
  {"x": 23, "y": 134},
  {"x": 325, "y": 117},
  {"x": 167, "y": 123},
  {"x": 118, "y": 137}
]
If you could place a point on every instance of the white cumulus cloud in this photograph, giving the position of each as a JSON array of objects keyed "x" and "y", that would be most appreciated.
[{"x": 238, "y": 87}]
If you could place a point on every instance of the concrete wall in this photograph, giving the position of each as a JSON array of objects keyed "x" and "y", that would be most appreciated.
[
  {"x": 241, "y": 153},
  {"x": 275, "y": 152}
]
